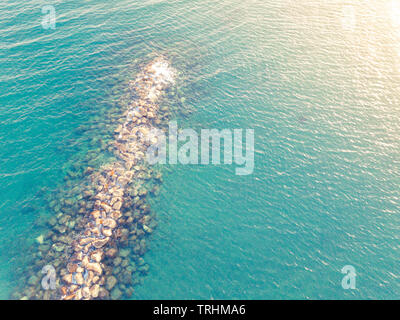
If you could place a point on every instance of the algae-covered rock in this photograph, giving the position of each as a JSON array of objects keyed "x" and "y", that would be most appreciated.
[
  {"x": 58, "y": 247},
  {"x": 116, "y": 294},
  {"x": 144, "y": 269},
  {"x": 40, "y": 239},
  {"x": 111, "y": 282},
  {"x": 126, "y": 277},
  {"x": 147, "y": 229},
  {"x": 33, "y": 280},
  {"x": 117, "y": 261},
  {"x": 124, "y": 253}
]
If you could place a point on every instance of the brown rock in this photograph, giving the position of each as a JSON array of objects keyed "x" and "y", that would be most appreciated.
[
  {"x": 86, "y": 292},
  {"x": 95, "y": 290},
  {"x": 73, "y": 288},
  {"x": 90, "y": 277},
  {"x": 103, "y": 293},
  {"x": 116, "y": 214},
  {"x": 100, "y": 243},
  {"x": 70, "y": 297},
  {"x": 85, "y": 241},
  {"x": 107, "y": 232},
  {"x": 97, "y": 255},
  {"x": 110, "y": 223},
  {"x": 78, "y": 294},
  {"x": 114, "y": 200},
  {"x": 95, "y": 231},
  {"x": 68, "y": 278},
  {"x": 79, "y": 278},
  {"x": 85, "y": 261},
  {"x": 95, "y": 266},
  {"x": 72, "y": 267},
  {"x": 95, "y": 214},
  {"x": 117, "y": 206},
  {"x": 106, "y": 207},
  {"x": 111, "y": 252},
  {"x": 80, "y": 270}
]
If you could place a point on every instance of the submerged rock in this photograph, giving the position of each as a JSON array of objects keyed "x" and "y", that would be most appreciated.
[
  {"x": 111, "y": 252},
  {"x": 40, "y": 239},
  {"x": 33, "y": 280},
  {"x": 116, "y": 294},
  {"x": 147, "y": 229},
  {"x": 111, "y": 282},
  {"x": 124, "y": 253}
]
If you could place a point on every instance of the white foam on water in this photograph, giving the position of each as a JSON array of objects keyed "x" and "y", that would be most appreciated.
[{"x": 163, "y": 72}]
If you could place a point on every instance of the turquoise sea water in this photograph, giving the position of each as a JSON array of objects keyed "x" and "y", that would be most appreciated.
[{"x": 319, "y": 83}]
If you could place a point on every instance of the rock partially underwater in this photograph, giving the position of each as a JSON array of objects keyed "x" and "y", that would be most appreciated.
[{"x": 90, "y": 252}]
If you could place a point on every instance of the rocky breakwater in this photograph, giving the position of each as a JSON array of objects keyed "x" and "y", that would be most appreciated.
[{"x": 86, "y": 275}]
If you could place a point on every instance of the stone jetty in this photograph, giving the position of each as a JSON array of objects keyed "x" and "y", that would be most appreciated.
[
  {"x": 87, "y": 257},
  {"x": 85, "y": 278}
]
